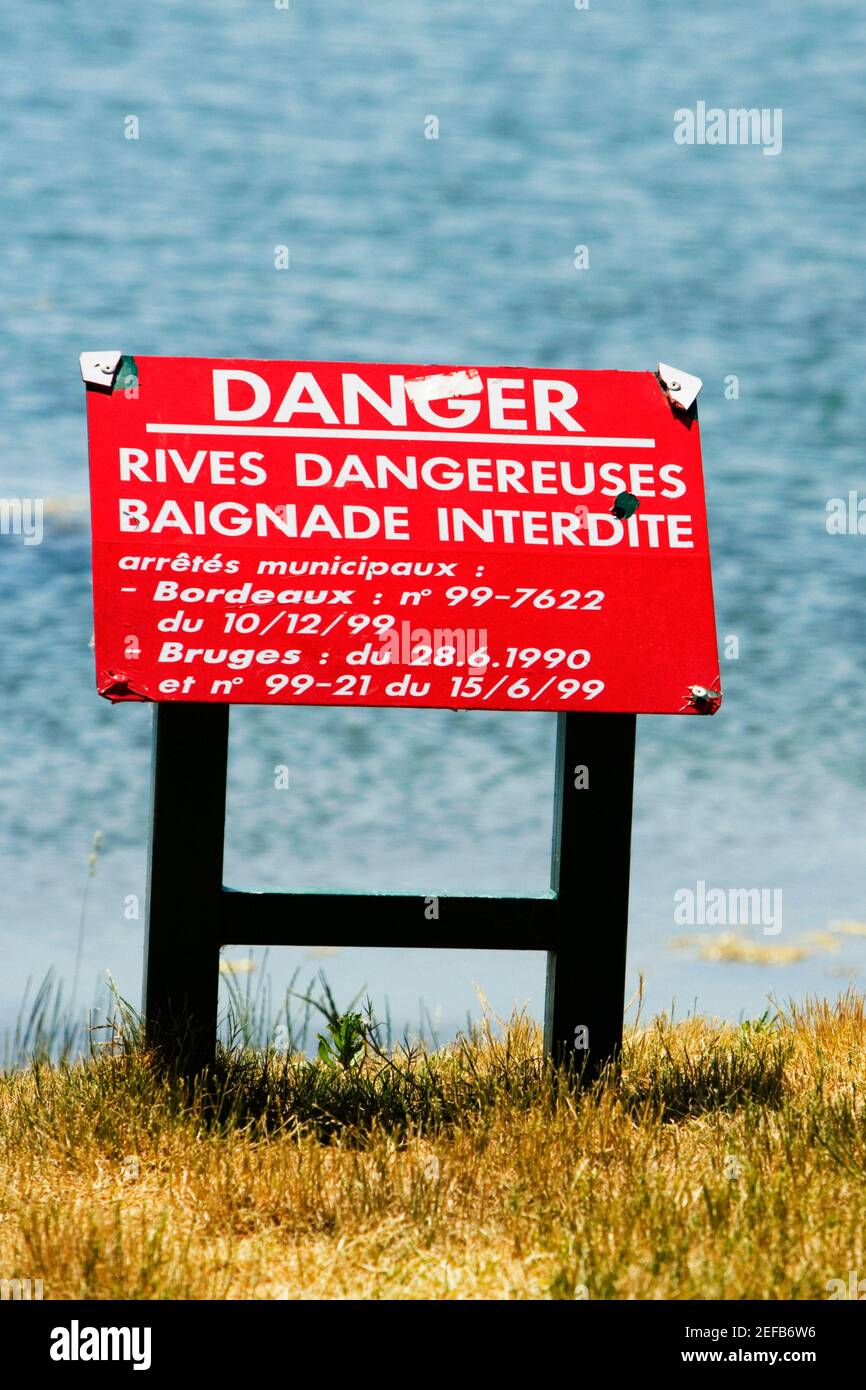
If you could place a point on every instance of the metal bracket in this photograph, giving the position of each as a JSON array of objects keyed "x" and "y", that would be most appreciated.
[
  {"x": 99, "y": 368},
  {"x": 681, "y": 388}
]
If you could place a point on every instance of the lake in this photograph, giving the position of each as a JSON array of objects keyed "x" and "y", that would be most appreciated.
[{"x": 309, "y": 129}]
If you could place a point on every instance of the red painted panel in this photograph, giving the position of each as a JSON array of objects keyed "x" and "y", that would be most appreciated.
[{"x": 373, "y": 534}]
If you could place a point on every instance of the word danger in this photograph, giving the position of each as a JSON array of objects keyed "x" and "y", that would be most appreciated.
[{"x": 452, "y": 399}]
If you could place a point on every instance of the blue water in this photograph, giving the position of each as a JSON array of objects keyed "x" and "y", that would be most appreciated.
[{"x": 262, "y": 127}]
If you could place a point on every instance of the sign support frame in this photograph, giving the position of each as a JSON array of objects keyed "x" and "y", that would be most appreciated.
[{"x": 581, "y": 921}]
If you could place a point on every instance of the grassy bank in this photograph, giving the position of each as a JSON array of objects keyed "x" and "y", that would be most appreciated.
[{"x": 726, "y": 1162}]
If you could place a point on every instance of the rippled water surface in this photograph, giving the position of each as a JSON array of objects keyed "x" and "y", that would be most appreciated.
[{"x": 305, "y": 127}]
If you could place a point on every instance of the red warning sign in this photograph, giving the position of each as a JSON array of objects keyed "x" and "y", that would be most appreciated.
[{"x": 349, "y": 533}]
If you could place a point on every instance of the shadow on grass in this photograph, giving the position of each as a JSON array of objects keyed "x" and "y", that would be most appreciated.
[{"x": 670, "y": 1072}]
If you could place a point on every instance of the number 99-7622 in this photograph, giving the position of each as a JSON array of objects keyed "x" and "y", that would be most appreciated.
[{"x": 588, "y": 600}]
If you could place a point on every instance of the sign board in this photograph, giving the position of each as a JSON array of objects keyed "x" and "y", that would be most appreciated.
[
  {"x": 346, "y": 533},
  {"x": 326, "y": 533}
]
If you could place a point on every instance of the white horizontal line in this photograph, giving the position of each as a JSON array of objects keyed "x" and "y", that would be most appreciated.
[{"x": 433, "y": 436}]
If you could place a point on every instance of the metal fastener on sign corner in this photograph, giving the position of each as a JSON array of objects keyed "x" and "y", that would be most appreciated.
[{"x": 702, "y": 699}]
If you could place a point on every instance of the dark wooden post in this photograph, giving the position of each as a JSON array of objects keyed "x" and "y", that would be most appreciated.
[
  {"x": 181, "y": 972},
  {"x": 590, "y": 875},
  {"x": 582, "y": 922}
]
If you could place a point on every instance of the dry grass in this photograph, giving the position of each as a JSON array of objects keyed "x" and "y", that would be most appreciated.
[{"x": 726, "y": 1162}]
